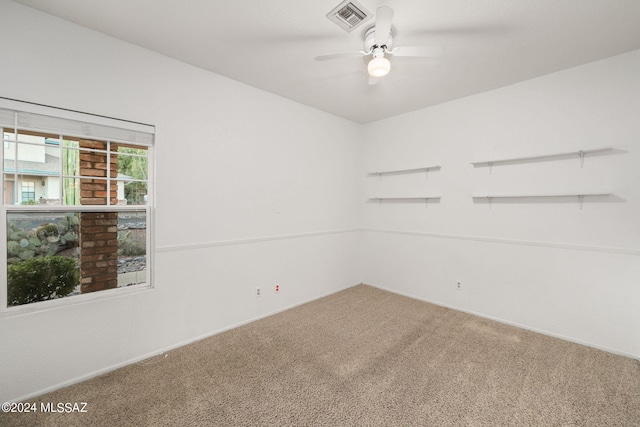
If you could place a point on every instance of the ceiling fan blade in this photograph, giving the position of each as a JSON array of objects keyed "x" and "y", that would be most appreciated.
[
  {"x": 422, "y": 51},
  {"x": 341, "y": 55},
  {"x": 384, "y": 15},
  {"x": 374, "y": 80}
]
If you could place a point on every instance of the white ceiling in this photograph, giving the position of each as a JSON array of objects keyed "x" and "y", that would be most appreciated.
[{"x": 271, "y": 44}]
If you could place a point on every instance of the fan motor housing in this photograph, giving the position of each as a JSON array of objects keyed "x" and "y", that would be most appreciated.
[{"x": 370, "y": 40}]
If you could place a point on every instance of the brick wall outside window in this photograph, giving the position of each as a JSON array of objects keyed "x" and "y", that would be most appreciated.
[{"x": 98, "y": 230}]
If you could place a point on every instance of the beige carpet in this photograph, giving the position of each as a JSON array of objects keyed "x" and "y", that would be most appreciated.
[{"x": 362, "y": 357}]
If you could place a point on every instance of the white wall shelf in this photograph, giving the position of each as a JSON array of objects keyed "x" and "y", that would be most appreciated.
[
  {"x": 580, "y": 196},
  {"x": 553, "y": 156},
  {"x": 401, "y": 171},
  {"x": 405, "y": 198}
]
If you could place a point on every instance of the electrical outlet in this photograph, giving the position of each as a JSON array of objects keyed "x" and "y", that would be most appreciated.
[
  {"x": 458, "y": 285},
  {"x": 258, "y": 292}
]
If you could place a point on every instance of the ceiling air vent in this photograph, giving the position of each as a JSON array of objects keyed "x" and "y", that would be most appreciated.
[{"x": 349, "y": 15}]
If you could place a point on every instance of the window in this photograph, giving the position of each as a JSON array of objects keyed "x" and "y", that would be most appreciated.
[
  {"x": 76, "y": 204},
  {"x": 28, "y": 192}
]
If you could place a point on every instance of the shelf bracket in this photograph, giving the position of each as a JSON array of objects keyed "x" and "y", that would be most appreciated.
[
  {"x": 490, "y": 199},
  {"x": 581, "y": 153},
  {"x": 580, "y": 200},
  {"x": 490, "y": 168}
]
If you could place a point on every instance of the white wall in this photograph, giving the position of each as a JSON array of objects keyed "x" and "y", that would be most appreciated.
[
  {"x": 544, "y": 264},
  {"x": 252, "y": 190}
]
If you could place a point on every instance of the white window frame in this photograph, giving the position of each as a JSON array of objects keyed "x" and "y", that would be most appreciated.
[{"x": 51, "y": 120}]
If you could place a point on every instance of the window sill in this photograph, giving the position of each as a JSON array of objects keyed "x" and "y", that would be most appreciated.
[{"x": 42, "y": 306}]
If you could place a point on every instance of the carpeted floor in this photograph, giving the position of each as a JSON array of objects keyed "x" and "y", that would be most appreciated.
[{"x": 362, "y": 357}]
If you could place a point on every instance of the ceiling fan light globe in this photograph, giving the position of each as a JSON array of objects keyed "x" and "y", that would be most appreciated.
[{"x": 379, "y": 67}]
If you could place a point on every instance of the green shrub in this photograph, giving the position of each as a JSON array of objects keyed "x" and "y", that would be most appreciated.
[{"x": 41, "y": 279}]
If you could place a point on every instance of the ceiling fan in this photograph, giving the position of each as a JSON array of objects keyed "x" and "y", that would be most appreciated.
[{"x": 378, "y": 42}]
